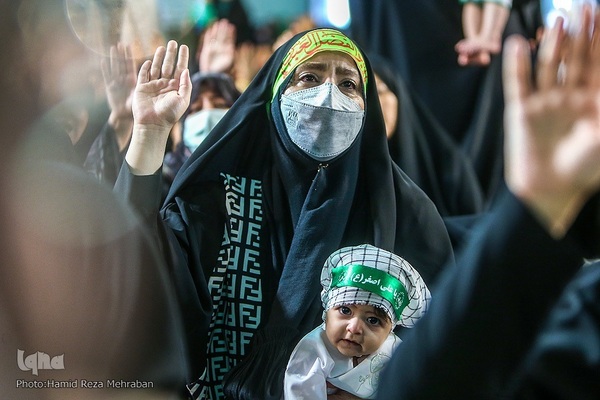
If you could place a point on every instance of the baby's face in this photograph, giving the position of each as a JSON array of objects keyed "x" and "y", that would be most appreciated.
[{"x": 356, "y": 330}]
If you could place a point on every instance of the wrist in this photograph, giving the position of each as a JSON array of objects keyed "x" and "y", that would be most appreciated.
[
  {"x": 122, "y": 126},
  {"x": 146, "y": 149},
  {"x": 556, "y": 213},
  {"x": 117, "y": 119}
]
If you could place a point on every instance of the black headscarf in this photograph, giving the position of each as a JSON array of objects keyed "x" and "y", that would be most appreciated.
[
  {"x": 218, "y": 82},
  {"x": 426, "y": 152},
  {"x": 309, "y": 210}
]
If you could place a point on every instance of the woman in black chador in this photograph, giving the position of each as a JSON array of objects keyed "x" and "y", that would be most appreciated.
[{"x": 297, "y": 168}]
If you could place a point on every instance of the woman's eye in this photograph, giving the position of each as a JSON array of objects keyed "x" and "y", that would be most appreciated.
[
  {"x": 373, "y": 321},
  {"x": 348, "y": 85},
  {"x": 308, "y": 78},
  {"x": 345, "y": 310}
]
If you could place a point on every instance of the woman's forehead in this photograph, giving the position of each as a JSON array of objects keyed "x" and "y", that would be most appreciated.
[
  {"x": 311, "y": 44},
  {"x": 326, "y": 60}
]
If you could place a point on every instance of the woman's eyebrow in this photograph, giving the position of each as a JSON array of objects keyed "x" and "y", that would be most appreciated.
[
  {"x": 320, "y": 66},
  {"x": 342, "y": 70}
]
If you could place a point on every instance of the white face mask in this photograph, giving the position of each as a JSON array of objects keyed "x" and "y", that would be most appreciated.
[
  {"x": 198, "y": 125},
  {"x": 322, "y": 121}
]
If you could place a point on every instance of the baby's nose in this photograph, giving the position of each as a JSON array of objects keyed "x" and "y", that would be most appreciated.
[{"x": 355, "y": 326}]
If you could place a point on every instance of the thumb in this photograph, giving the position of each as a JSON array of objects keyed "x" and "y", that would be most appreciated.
[{"x": 185, "y": 85}]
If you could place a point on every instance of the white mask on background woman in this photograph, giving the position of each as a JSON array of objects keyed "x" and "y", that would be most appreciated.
[{"x": 198, "y": 125}]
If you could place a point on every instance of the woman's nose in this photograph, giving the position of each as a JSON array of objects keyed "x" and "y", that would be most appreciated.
[{"x": 329, "y": 79}]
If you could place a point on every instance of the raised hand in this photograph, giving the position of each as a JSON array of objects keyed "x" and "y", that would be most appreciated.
[
  {"x": 163, "y": 88},
  {"x": 217, "y": 52},
  {"x": 119, "y": 82},
  {"x": 552, "y": 128},
  {"x": 162, "y": 95}
]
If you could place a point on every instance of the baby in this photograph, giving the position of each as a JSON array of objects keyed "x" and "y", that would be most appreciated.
[{"x": 367, "y": 291}]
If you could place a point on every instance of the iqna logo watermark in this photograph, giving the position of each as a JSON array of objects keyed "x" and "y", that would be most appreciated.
[{"x": 39, "y": 360}]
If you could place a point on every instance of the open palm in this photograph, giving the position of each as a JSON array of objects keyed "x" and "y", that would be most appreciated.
[
  {"x": 163, "y": 89},
  {"x": 553, "y": 126},
  {"x": 119, "y": 80},
  {"x": 218, "y": 47}
]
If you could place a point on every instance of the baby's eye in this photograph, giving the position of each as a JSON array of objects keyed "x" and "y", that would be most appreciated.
[
  {"x": 345, "y": 310},
  {"x": 373, "y": 321}
]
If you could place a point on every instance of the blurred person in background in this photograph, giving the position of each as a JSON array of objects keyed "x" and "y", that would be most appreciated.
[
  {"x": 518, "y": 317},
  {"x": 81, "y": 281}
]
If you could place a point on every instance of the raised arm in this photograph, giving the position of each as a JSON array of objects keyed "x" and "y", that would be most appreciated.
[
  {"x": 162, "y": 94},
  {"x": 489, "y": 308},
  {"x": 552, "y": 144}
]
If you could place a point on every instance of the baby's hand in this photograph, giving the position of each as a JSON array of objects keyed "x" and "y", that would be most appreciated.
[{"x": 335, "y": 393}]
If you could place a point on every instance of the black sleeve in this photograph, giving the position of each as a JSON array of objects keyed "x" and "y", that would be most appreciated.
[
  {"x": 487, "y": 310},
  {"x": 104, "y": 158},
  {"x": 143, "y": 193},
  {"x": 564, "y": 362},
  {"x": 586, "y": 229},
  {"x": 193, "y": 297}
]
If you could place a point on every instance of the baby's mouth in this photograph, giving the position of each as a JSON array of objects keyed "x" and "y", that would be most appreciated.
[{"x": 350, "y": 343}]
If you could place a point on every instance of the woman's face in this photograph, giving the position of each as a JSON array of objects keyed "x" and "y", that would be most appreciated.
[
  {"x": 389, "y": 106},
  {"x": 329, "y": 66},
  {"x": 207, "y": 100}
]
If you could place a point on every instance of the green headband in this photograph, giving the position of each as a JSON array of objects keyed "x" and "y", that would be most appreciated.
[
  {"x": 374, "y": 281},
  {"x": 315, "y": 42}
]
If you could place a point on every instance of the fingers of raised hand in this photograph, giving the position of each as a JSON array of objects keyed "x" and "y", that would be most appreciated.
[
  {"x": 182, "y": 61},
  {"x": 227, "y": 31},
  {"x": 168, "y": 65},
  {"x": 144, "y": 72},
  {"x": 516, "y": 69},
  {"x": 115, "y": 60},
  {"x": 119, "y": 64},
  {"x": 122, "y": 66},
  {"x": 109, "y": 66},
  {"x": 157, "y": 61},
  {"x": 549, "y": 56},
  {"x": 571, "y": 60},
  {"x": 185, "y": 86},
  {"x": 577, "y": 58},
  {"x": 128, "y": 64},
  {"x": 594, "y": 75},
  {"x": 105, "y": 68},
  {"x": 210, "y": 35},
  {"x": 219, "y": 33}
]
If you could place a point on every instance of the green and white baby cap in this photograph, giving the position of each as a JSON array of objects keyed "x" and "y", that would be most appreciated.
[{"x": 366, "y": 274}]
